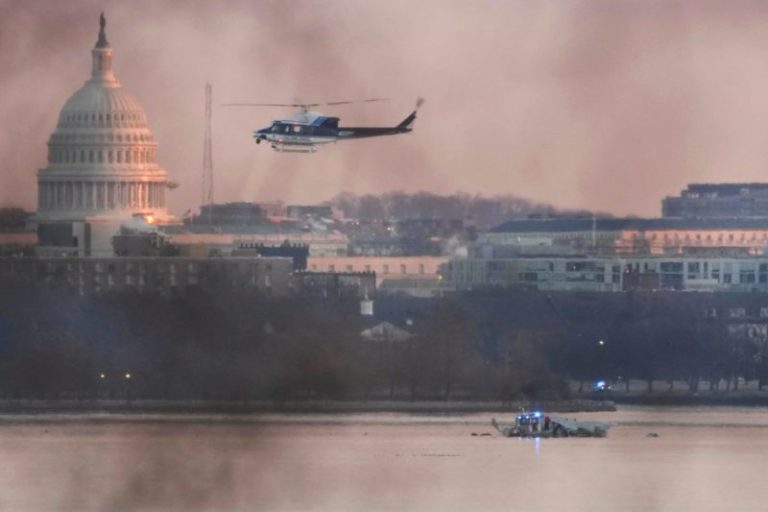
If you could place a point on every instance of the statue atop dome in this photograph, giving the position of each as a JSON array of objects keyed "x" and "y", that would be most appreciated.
[{"x": 102, "y": 42}]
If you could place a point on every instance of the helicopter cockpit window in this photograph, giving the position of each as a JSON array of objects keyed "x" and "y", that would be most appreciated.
[
  {"x": 276, "y": 128},
  {"x": 287, "y": 128}
]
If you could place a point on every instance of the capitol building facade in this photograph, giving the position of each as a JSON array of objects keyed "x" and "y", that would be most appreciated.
[{"x": 102, "y": 170}]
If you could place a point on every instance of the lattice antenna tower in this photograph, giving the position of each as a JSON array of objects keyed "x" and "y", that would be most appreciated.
[{"x": 207, "y": 198}]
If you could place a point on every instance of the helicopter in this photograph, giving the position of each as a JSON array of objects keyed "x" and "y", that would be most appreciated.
[{"x": 306, "y": 130}]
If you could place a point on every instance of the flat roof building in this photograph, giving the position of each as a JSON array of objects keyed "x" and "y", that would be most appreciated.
[{"x": 708, "y": 200}]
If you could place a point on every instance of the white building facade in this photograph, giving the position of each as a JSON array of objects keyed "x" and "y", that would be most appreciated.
[{"x": 102, "y": 167}]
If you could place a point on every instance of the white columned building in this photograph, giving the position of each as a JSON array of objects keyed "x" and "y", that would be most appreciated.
[{"x": 102, "y": 167}]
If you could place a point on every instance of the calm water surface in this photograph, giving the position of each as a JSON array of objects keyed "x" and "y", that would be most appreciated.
[{"x": 704, "y": 459}]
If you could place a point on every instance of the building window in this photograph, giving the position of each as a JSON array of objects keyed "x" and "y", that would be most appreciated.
[{"x": 737, "y": 312}]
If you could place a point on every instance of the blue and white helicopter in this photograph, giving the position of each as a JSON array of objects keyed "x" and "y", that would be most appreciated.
[{"x": 306, "y": 130}]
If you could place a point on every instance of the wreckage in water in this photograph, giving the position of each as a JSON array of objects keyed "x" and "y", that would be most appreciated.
[{"x": 536, "y": 424}]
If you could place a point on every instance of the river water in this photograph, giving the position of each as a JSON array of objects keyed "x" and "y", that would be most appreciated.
[{"x": 707, "y": 459}]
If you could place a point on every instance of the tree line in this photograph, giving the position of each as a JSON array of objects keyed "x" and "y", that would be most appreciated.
[
  {"x": 486, "y": 212},
  {"x": 237, "y": 345}
]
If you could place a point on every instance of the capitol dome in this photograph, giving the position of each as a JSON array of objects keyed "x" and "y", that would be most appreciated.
[
  {"x": 102, "y": 156},
  {"x": 97, "y": 97}
]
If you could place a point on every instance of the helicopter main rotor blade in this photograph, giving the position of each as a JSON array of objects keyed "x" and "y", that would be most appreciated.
[
  {"x": 353, "y": 101},
  {"x": 264, "y": 105},
  {"x": 302, "y": 105}
]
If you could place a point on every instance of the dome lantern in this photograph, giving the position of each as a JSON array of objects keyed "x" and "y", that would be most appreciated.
[{"x": 102, "y": 56}]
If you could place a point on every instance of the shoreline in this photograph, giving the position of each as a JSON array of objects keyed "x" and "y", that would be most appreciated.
[
  {"x": 32, "y": 407},
  {"x": 692, "y": 400},
  {"x": 589, "y": 403}
]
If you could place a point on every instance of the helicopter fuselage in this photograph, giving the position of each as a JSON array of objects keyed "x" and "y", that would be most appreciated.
[{"x": 305, "y": 134}]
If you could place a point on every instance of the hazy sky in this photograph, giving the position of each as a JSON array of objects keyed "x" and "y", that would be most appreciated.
[{"x": 584, "y": 104}]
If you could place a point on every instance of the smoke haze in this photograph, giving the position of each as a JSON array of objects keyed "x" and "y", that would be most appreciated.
[{"x": 607, "y": 105}]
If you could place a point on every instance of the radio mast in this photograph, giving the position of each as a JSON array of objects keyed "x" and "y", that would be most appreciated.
[{"x": 207, "y": 197}]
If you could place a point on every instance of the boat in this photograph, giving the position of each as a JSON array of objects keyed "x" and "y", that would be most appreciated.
[{"x": 536, "y": 424}]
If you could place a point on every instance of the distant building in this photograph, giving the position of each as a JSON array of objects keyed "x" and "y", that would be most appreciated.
[
  {"x": 102, "y": 167},
  {"x": 88, "y": 276},
  {"x": 610, "y": 273},
  {"x": 411, "y": 275},
  {"x": 226, "y": 241},
  {"x": 134, "y": 243},
  {"x": 623, "y": 236},
  {"x": 273, "y": 209},
  {"x": 430, "y": 236},
  {"x": 336, "y": 284},
  {"x": 617, "y": 254},
  {"x": 707, "y": 200},
  {"x": 297, "y": 252},
  {"x": 17, "y": 237},
  {"x": 299, "y": 211},
  {"x": 230, "y": 214},
  {"x": 18, "y": 244}
]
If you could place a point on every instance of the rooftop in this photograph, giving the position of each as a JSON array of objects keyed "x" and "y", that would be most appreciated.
[{"x": 621, "y": 224}]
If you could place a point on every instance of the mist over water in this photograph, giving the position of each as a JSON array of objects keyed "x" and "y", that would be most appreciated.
[
  {"x": 382, "y": 462},
  {"x": 601, "y": 105}
]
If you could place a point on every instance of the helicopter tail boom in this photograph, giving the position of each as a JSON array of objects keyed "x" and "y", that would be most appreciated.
[{"x": 361, "y": 132}]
